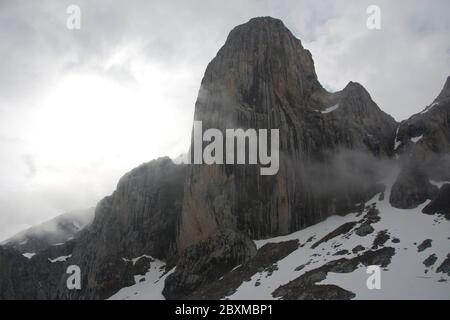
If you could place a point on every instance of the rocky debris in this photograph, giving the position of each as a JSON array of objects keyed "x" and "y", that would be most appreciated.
[
  {"x": 341, "y": 253},
  {"x": 59, "y": 230},
  {"x": 364, "y": 229},
  {"x": 341, "y": 230},
  {"x": 424, "y": 245},
  {"x": 300, "y": 286},
  {"x": 207, "y": 261},
  {"x": 319, "y": 292},
  {"x": 381, "y": 257},
  {"x": 431, "y": 260},
  {"x": 445, "y": 266},
  {"x": 358, "y": 248},
  {"x": 263, "y": 78},
  {"x": 264, "y": 261},
  {"x": 372, "y": 215},
  {"x": 381, "y": 238},
  {"x": 395, "y": 240},
  {"x": 441, "y": 204},
  {"x": 300, "y": 267}
]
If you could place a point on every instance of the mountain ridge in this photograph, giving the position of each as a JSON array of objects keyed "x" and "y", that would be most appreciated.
[{"x": 191, "y": 226}]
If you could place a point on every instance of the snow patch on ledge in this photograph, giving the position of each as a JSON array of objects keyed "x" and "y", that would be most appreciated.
[
  {"x": 416, "y": 139},
  {"x": 439, "y": 184},
  {"x": 330, "y": 109},
  {"x": 29, "y": 255},
  {"x": 134, "y": 260},
  {"x": 60, "y": 259}
]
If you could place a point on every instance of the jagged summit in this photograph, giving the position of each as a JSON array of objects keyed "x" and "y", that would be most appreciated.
[{"x": 258, "y": 55}]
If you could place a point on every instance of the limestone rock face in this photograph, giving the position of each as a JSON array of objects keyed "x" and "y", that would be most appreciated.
[
  {"x": 263, "y": 78},
  {"x": 423, "y": 147},
  {"x": 139, "y": 218},
  {"x": 17, "y": 279}
]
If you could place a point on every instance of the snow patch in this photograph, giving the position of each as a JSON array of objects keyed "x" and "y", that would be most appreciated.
[
  {"x": 330, "y": 109},
  {"x": 60, "y": 259},
  {"x": 29, "y": 255},
  {"x": 148, "y": 286},
  {"x": 416, "y": 139}
]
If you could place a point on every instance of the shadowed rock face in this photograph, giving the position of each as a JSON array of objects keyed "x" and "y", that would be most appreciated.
[
  {"x": 208, "y": 260},
  {"x": 440, "y": 204},
  {"x": 424, "y": 149},
  {"x": 17, "y": 279},
  {"x": 263, "y": 78},
  {"x": 139, "y": 218}
]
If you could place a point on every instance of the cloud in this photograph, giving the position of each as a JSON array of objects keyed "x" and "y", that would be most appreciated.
[{"x": 153, "y": 54}]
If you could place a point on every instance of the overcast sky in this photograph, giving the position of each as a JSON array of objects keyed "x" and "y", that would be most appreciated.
[{"x": 79, "y": 108}]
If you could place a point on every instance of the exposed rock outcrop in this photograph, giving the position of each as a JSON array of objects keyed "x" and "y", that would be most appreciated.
[
  {"x": 423, "y": 145},
  {"x": 207, "y": 261},
  {"x": 139, "y": 218},
  {"x": 305, "y": 286},
  {"x": 263, "y": 78},
  {"x": 201, "y": 218},
  {"x": 265, "y": 259},
  {"x": 441, "y": 203}
]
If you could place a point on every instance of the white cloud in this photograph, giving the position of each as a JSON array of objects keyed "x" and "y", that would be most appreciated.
[{"x": 80, "y": 108}]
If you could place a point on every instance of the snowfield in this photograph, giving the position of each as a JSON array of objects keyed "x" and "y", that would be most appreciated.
[{"x": 406, "y": 277}]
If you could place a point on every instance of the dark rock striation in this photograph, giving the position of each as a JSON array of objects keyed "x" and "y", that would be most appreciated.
[
  {"x": 423, "y": 146},
  {"x": 263, "y": 78}
]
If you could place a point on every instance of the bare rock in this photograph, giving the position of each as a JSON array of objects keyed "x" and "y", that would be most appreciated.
[{"x": 207, "y": 261}]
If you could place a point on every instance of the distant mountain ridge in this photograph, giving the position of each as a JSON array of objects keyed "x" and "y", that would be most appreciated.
[{"x": 56, "y": 231}]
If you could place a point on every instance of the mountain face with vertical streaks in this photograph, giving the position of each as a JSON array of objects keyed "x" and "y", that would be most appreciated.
[{"x": 263, "y": 78}]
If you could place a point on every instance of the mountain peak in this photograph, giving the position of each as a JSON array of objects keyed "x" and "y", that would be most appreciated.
[
  {"x": 259, "y": 54},
  {"x": 445, "y": 92}
]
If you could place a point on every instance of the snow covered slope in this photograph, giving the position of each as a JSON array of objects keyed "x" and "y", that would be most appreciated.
[
  {"x": 331, "y": 259},
  {"x": 415, "y": 237},
  {"x": 148, "y": 286}
]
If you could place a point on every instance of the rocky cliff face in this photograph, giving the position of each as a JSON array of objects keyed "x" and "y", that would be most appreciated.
[
  {"x": 423, "y": 147},
  {"x": 263, "y": 78},
  {"x": 139, "y": 218}
]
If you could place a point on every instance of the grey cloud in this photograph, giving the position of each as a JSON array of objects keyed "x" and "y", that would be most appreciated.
[{"x": 403, "y": 66}]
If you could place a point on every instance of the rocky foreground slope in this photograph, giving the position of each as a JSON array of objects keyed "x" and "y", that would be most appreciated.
[{"x": 188, "y": 231}]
